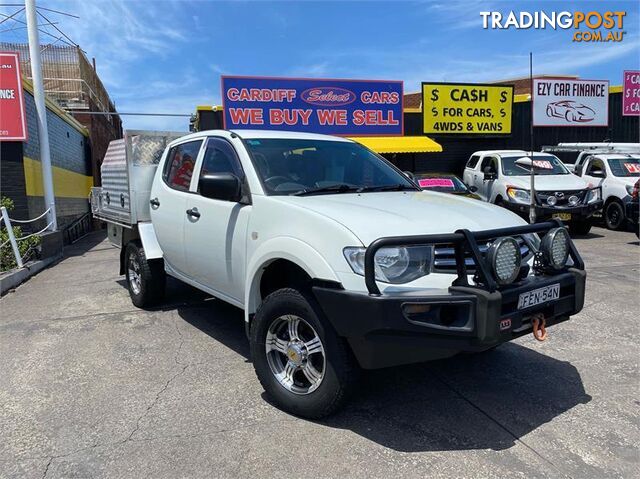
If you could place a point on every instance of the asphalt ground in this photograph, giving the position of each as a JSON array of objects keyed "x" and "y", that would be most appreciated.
[{"x": 90, "y": 386}]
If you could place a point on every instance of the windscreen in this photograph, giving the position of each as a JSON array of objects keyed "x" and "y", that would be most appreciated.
[
  {"x": 446, "y": 184},
  {"x": 625, "y": 167},
  {"x": 291, "y": 166},
  {"x": 542, "y": 165}
]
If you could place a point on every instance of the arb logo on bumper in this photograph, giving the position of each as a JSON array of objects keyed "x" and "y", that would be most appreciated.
[{"x": 505, "y": 324}]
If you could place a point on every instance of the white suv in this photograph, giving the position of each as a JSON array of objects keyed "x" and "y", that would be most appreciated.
[
  {"x": 615, "y": 174},
  {"x": 503, "y": 177},
  {"x": 339, "y": 261}
]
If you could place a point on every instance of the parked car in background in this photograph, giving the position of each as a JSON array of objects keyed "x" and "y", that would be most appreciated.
[
  {"x": 584, "y": 149},
  {"x": 445, "y": 183},
  {"x": 502, "y": 177},
  {"x": 616, "y": 174},
  {"x": 338, "y": 260}
]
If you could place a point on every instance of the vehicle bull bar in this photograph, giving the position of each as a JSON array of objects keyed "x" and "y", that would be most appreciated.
[{"x": 463, "y": 241}]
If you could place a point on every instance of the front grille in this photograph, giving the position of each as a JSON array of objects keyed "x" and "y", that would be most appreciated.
[
  {"x": 444, "y": 256},
  {"x": 562, "y": 197}
]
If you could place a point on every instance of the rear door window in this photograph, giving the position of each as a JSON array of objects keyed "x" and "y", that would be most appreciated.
[
  {"x": 473, "y": 161},
  {"x": 179, "y": 165}
]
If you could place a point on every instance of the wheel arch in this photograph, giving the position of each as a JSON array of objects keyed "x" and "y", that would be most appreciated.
[{"x": 280, "y": 261}]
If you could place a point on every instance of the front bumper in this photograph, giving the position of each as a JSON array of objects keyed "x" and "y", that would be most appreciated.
[
  {"x": 581, "y": 212},
  {"x": 382, "y": 332}
]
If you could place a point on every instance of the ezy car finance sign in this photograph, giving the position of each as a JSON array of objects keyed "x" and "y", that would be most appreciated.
[{"x": 568, "y": 102}]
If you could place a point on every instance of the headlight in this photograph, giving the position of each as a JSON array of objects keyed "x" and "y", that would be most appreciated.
[
  {"x": 394, "y": 265},
  {"x": 573, "y": 200},
  {"x": 552, "y": 200},
  {"x": 505, "y": 259},
  {"x": 555, "y": 248},
  {"x": 593, "y": 195},
  {"x": 518, "y": 195}
]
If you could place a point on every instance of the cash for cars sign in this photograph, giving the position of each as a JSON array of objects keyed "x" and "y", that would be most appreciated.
[
  {"x": 631, "y": 93},
  {"x": 337, "y": 107},
  {"x": 13, "y": 123},
  {"x": 466, "y": 109},
  {"x": 562, "y": 102}
]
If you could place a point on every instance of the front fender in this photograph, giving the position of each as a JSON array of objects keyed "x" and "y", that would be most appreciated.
[{"x": 287, "y": 248}]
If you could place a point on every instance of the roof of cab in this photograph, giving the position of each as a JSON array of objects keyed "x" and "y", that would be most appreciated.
[
  {"x": 264, "y": 134},
  {"x": 509, "y": 152}
]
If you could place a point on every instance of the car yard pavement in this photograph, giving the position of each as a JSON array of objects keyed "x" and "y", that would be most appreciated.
[{"x": 90, "y": 386}]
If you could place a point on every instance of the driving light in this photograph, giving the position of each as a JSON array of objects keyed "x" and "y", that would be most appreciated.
[
  {"x": 552, "y": 200},
  {"x": 555, "y": 248},
  {"x": 518, "y": 195},
  {"x": 505, "y": 259},
  {"x": 573, "y": 200},
  {"x": 393, "y": 264}
]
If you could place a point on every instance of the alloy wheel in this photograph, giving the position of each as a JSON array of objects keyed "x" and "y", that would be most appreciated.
[{"x": 295, "y": 354}]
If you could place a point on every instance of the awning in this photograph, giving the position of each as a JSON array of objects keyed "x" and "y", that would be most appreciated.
[{"x": 399, "y": 144}]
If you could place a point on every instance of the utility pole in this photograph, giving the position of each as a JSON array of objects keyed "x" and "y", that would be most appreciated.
[
  {"x": 532, "y": 194},
  {"x": 41, "y": 109}
]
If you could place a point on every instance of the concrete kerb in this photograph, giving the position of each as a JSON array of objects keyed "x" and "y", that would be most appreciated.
[{"x": 15, "y": 277}]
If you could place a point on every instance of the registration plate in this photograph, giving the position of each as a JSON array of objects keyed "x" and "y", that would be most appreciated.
[
  {"x": 562, "y": 216},
  {"x": 538, "y": 296}
]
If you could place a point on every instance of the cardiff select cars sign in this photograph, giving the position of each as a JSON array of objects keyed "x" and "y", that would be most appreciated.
[
  {"x": 466, "y": 109},
  {"x": 337, "y": 107},
  {"x": 567, "y": 102},
  {"x": 13, "y": 123}
]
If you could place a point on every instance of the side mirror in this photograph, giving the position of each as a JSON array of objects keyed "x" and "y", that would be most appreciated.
[
  {"x": 409, "y": 175},
  {"x": 472, "y": 188},
  {"x": 597, "y": 174},
  {"x": 489, "y": 174},
  {"x": 223, "y": 186}
]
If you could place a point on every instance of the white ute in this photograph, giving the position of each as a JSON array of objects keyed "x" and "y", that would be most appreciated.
[
  {"x": 502, "y": 177},
  {"x": 338, "y": 260}
]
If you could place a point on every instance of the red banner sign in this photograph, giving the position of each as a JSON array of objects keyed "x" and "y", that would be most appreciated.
[{"x": 13, "y": 121}]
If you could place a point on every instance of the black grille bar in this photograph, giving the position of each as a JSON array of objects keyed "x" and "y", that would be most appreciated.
[{"x": 463, "y": 241}]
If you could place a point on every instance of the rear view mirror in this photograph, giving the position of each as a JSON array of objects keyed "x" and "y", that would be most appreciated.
[{"x": 224, "y": 186}]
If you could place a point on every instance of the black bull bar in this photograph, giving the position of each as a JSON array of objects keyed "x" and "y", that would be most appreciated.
[{"x": 464, "y": 241}]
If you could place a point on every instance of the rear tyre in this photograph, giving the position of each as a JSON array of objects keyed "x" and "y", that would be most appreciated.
[
  {"x": 146, "y": 279},
  {"x": 580, "y": 227},
  {"x": 614, "y": 215},
  {"x": 302, "y": 364}
]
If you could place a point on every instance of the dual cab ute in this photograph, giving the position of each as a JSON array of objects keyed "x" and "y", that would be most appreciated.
[
  {"x": 503, "y": 177},
  {"x": 339, "y": 261}
]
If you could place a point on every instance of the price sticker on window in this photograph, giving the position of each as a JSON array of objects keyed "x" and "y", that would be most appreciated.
[
  {"x": 436, "y": 183},
  {"x": 632, "y": 167},
  {"x": 543, "y": 164}
]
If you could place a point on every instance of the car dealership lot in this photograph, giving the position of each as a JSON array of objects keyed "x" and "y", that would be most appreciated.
[{"x": 91, "y": 386}]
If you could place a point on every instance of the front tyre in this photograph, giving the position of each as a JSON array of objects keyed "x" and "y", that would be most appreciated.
[
  {"x": 146, "y": 279},
  {"x": 614, "y": 215},
  {"x": 304, "y": 367}
]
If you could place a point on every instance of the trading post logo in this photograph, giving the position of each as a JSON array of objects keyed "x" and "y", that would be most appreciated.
[{"x": 588, "y": 26}]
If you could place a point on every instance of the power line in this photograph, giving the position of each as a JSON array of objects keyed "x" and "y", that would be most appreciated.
[
  {"x": 9, "y": 17},
  {"x": 53, "y": 25}
]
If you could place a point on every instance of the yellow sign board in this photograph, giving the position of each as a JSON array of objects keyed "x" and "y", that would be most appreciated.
[{"x": 466, "y": 109}]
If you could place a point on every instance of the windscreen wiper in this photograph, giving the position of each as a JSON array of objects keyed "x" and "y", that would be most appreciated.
[
  {"x": 340, "y": 188},
  {"x": 396, "y": 187}
]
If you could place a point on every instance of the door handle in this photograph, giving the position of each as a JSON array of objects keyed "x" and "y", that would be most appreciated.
[
  {"x": 155, "y": 203},
  {"x": 194, "y": 213}
]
